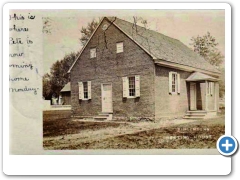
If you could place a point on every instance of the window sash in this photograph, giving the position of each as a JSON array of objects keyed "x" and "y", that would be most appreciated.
[
  {"x": 132, "y": 87},
  {"x": 174, "y": 82},
  {"x": 93, "y": 53},
  {"x": 85, "y": 90},
  {"x": 119, "y": 47}
]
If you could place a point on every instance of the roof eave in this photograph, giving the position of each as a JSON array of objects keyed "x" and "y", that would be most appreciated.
[
  {"x": 207, "y": 79},
  {"x": 184, "y": 67},
  {"x": 85, "y": 45},
  {"x": 154, "y": 57}
]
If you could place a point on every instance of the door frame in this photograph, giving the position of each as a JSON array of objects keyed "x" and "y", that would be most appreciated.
[
  {"x": 102, "y": 96},
  {"x": 195, "y": 93}
]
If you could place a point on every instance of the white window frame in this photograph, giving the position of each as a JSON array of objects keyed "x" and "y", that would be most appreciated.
[
  {"x": 82, "y": 88},
  {"x": 85, "y": 87},
  {"x": 133, "y": 88},
  {"x": 119, "y": 47},
  {"x": 126, "y": 87},
  {"x": 177, "y": 85},
  {"x": 93, "y": 54}
]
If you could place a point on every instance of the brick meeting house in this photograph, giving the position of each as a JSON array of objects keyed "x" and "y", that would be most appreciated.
[{"x": 127, "y": 71}]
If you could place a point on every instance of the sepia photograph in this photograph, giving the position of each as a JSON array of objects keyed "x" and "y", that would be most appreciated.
[{"x": 133, "y": 79}]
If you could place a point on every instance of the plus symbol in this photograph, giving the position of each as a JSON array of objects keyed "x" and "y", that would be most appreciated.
[{"x": 227, "y": 145}]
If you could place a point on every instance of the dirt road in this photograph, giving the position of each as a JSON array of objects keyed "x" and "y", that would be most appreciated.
[{"x": 179, "y": 133}]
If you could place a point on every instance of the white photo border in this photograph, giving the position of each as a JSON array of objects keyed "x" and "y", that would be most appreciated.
[{"x": 117, "y": 164}]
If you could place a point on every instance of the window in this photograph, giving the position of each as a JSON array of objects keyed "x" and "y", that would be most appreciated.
[
  {"x": 119, "y": 47},
  {"x": 131, "y": 87},
  {"x": 174, "y": 83},
  {"x": 93, "y": 53},
  {"x": 131, "y": 83},
  {"x": 85, "y": 90}
]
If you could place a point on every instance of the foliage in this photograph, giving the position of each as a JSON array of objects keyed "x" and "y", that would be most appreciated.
[
  {"x": 87, "y": 31},
  {"x": 47, "y": 22},
  {"x": 47, "y": 92},
  {"x": 58, "y": 77},
  {"x": 136, "y": 20},
  {"x": 206, "y": 47},
  {"x": 222, "y": 83}
]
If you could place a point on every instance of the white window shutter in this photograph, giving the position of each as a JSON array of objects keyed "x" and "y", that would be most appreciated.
[
  {"x": 89, "y": 90},
  {"x": 80, "y": 90},
  {"x": 137, "y": 85},
  {"x": 125, "y": 87},
  {"x": 170, "y": 83},
  {"x": 178, "y": 83}
]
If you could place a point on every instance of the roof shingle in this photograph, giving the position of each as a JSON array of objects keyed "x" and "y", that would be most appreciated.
[{"x": 163, "y": 47}]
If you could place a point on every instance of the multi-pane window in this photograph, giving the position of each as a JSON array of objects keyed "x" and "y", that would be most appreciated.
[
  {"x": 174, "y": 82},
  {"x": 85, "y": 90},
  {"x": 119, "y": 47},
  {"x": 132, "y": 88},
  {"x": 93, "y": 53}
]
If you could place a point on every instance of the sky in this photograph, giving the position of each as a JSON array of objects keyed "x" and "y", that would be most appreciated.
[{"x": 178, "y": 24}]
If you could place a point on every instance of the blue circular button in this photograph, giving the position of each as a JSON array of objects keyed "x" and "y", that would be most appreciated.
[{"x": 227, "y": 145}]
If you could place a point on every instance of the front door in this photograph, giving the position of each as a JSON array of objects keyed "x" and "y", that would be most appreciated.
[
  {"x": 193, "y": 96},
  {"x": 107, "y": 98}
]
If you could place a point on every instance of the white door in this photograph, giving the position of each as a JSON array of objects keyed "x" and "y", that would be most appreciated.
[
  {"x": 107, "y": 98},
  {"x": 193, "y": 97}
]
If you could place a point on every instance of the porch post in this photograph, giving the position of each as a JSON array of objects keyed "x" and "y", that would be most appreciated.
[
  {"x": 206, "y": 95},
  {"x": 216, "y": 96}
]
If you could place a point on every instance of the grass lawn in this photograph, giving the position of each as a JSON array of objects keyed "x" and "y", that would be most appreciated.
[{"x": 65, "y": 133}]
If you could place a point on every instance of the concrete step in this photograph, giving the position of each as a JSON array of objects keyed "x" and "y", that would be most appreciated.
[
  {"x": 100, "y": 118},
  {"x": 193, "y": 117},
  {"x": 195, "y": 114},
  {"x": 103, "y": 115}
]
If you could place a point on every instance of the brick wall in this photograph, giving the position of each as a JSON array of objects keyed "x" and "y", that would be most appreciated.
[
  {"x": 170, "y": 105},
  {"x": 109, "y": 66}
]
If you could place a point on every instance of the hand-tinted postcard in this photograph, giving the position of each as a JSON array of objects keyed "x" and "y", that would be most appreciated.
[{"x": 116, "y": 81}]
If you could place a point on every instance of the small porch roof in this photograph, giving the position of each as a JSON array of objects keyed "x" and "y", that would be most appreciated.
[
  {"x": 66, "y": 88},
  {"x": 197, "y": 76}
]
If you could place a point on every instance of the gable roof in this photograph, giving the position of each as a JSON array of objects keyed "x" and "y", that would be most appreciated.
[
  {"x": 160, "y": 47},
  {"x": 197, "y": 76},
  {"x": 66, "y": 88}
]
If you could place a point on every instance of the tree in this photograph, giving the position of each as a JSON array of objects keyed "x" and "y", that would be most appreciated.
[
  {"x": 222, "y": 83},
  {"x": 87, "y": 31},
  {"x": 47, "y": 92},
  {"x": 206, "y": 47},
  {"x": 47, "y": 25},
  {"x": 58, "y": 77},
  {"x": 136, "y": 19}
]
